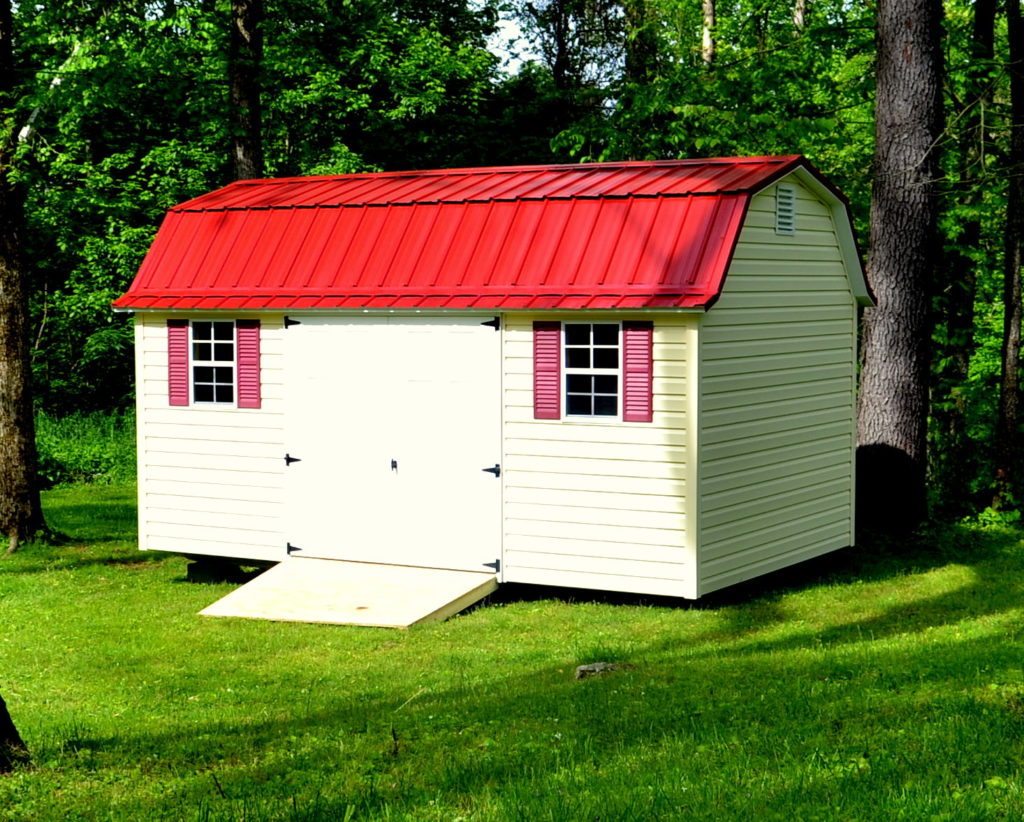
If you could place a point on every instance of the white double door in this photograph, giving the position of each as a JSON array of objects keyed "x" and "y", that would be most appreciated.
[{"x": 393, "y": 421}]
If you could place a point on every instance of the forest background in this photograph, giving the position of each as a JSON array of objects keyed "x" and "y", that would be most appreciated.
[{"x": 126, "y": 112}]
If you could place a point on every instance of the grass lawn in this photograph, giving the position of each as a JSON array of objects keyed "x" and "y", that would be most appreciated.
[{"x": 861, "y": 687}]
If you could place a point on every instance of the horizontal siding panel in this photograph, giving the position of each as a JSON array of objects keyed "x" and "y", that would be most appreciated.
[
  {"x": 779, "y": 345},
  {"x": 780, "y": 408},
  {"x": 223, "y": 533},
  {"x": 229, "y": 479},
  {"x": 610, "y": 468},
  {"x": 774, "y": 498},
  {"x": 773, "y": 425},
  {"x": 594, "y": 499},
  {"x": 587, "y": 483},
  {"x": 726, "y": 571},
  {"x": 742, "y": 545},
  {"x": 719, "y": 327},
  {"x": 579, "y": 578},
  {"x": 191, "y": 444},
  {"x": 806, "y": 237},
  {"x": 581, "y": 549},
  {"x": 754, "y": 363},
  {"x": 605, "y": 566},
  {"x": 626, "y": 535},
  {"x": 833, "y": 507},
  {"x": 765, "y": 474},
  {"x": 268, "y": 551},
  {"x": 648, "y": 434},
  {"x": 729, "y": 401},
  {"x": 783, "y": 251},
  {"x": 591, "y": 515},
  {"x": 595, "y": 450},
  {"x": 782, "y": 299},
  {"x": 757, "y": 218},
  {"x": 780, "y": 456},
  {"x": 230, "y": 436},
  {"x": 268, "y": 419},
  {"x": 214, "y": 493},
  {"x": 234, "y": 463},
  {"x": 266, "y": 509},
  {"x": 766, "y": 438},
  {"x": 723, "y": 506},
  {"x": 241, "y": 522},
  {"x": 743, "y": 384},
  {"x": 663, "y": 404}
]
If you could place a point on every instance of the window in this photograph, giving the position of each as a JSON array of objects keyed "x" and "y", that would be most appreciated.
[
  {"x": 213, "y": 361},
  {"x": 592, "y": 369}
]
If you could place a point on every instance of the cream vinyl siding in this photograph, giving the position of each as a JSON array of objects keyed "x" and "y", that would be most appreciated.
[
  {"x": 211, "y": 478},
  {"x": 599, "y": 504},
  {"x": 777, "y": 399}
]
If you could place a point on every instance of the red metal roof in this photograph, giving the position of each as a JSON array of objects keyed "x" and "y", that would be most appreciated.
[{"x": 608, "y": 235}]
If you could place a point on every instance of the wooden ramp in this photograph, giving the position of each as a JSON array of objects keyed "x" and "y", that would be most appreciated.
[{"x": 354, "y": 593}]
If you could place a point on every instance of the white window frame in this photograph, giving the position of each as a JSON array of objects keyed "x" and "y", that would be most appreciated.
[
  {"x": 194, "y": 362},
  {"x": 568, "y": 371}
]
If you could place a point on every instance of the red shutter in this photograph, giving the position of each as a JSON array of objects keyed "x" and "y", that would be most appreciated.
[
  {"x": 637, "y": 371},
  {"x": 177, "y": 362},
  {"x": 547, "y": 370},
  {"x": 247, "y": 335}
]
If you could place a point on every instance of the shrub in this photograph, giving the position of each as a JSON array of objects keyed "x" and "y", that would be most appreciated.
[{"x": 98, "y": 447}]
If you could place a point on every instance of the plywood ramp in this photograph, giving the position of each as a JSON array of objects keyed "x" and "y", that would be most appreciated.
[{"x": 354, "y": 593}]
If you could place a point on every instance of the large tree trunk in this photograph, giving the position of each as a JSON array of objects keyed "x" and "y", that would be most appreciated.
[
  {"x": 707, "y": 45},
  {"x": 953, "y": 459},
  {"x": 21, "y": 514},
  {"x": 245, "y": 54},
  {"x": 1008, "y": 440},
  {"x": 12, "y": 748},
  {"x": 893, "y": 403}
]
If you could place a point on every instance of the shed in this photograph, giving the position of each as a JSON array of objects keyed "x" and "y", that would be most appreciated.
[{"x": 633, "y": 376}]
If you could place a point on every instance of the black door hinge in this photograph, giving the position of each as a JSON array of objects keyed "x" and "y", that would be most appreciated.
[
  {"x": 495, "y": 323},
  {"x": 289, "y": 322},
  {"x": 291, "y": 549},
  {"x": 289, "y": 459},
  {"x": 496, "y": 470},
  {"x": 496, "y": 565}
]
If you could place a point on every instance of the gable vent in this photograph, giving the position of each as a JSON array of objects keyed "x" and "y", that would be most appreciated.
[{"x": 785, "y": 210}]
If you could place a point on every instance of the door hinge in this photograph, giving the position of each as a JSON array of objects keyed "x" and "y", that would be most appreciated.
[
  {"x": 496, "y": 470},
  {"x": 289, "y": 322},
  {"x": 291, "y": 549},
  {"x": 496, "y": 565},
  {"x": 289, "y": 459},
  {"x": 495, "y": 323}
]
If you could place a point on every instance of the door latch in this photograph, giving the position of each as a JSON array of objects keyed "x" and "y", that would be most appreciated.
[
  {"x": 394, "y": 465},
  {"x": 496, "y": 470}
]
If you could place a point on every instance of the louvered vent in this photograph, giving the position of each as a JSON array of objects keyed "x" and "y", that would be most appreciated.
[{"x": 785, "y": 210}]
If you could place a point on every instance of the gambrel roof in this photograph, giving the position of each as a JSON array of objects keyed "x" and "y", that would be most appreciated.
[{"x": 629, "y": 235}]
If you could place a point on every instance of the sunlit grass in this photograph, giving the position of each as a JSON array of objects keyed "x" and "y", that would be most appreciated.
[{"x": 870, "y": 686}]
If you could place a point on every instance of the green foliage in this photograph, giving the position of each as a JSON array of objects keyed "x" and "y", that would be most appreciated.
[
  {"x": 879, "y": 685},
  {"x": 86, "y": 448}
]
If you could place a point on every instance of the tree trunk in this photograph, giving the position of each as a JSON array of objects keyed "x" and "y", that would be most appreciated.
[
  {"x": 641, "y": 43},
  {"x": 953, "y": 461},
  {"x": 12, "y": 748},
  {"x": 707, "y": 47},
  {"x": 1008, "y": 438},
  {"x": 893, "y": 402},
  {"x": 21, "y": 514},
  {"x": 245, "y": 54},
  {"x": 799, "y": 15}
]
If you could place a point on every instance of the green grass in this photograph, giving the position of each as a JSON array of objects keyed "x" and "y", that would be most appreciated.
[
  {"x": 86, "y": 448},
  {"x": 864, "y": 687}
]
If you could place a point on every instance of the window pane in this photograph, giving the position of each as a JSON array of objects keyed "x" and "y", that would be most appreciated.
[
  {"x": 223, "y": 375},
  {"x": 578, "y": 404},
  {"x": 579, "y": 383},
  {"x": 606, "y": 384},
  {"x": 225, "y": 393},
  {"x": 577, "y": 358},
  {"x": 202, "y": 374},
  {"x": 223, "y": 352},
  {"x": 606, "y": 358},
  {"x": 605, "y": 406},
  {"x": 606, "y": 334},
  {"x": 223, "y": 331},
  {"x": 201, "y": 351},
  {"x": 577, "y": 334},
  {"x": 202, "y": 393},
  {"x": 201, "y": 330}
]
